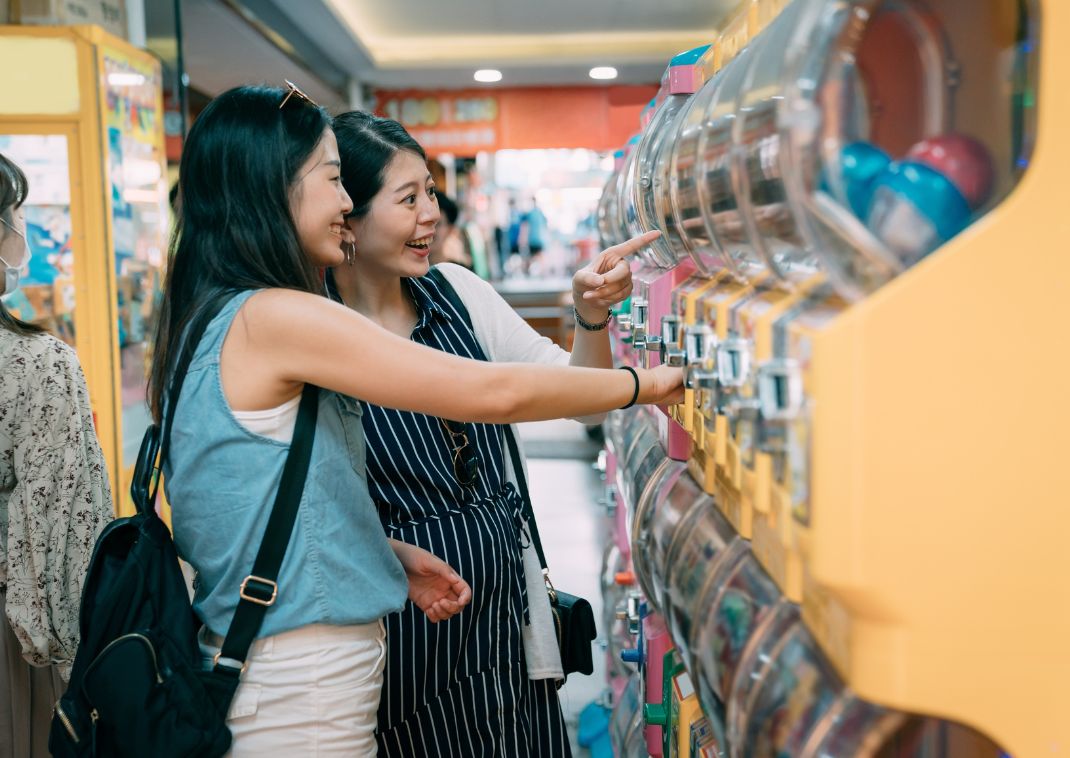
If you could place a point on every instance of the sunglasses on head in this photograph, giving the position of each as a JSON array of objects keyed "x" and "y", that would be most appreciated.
[
  {"x": 465, "y": 459},
  {"x": 294, "y": 91}
]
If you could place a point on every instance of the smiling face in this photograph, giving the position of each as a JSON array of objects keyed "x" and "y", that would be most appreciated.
[
  {"x": 320, "y": 204},
  {"x": 394, "y": 237}
]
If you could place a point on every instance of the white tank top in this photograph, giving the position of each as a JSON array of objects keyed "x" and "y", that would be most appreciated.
[{"x": 274, "y": 423}]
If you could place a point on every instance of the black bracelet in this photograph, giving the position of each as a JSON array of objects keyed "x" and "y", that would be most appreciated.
[
  {"x": 635, "y": 395},
  {"x": 587, "y": 325}
]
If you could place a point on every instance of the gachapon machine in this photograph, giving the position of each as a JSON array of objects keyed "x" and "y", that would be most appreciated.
[
  {"x": 737, "y": 599},
  {"x": 783, "y": 689},
  {"x": 655, "y": 507},
  {"x": 655, "y": 323},
  {"x": 702, "y": 540},
  {"x": 679, "y": 710},
  {"x": 910, "y": 146},
  {"x": 81, "y": 112}
]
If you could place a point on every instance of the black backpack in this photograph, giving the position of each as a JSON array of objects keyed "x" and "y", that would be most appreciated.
[{"x": 138, "y": 686}]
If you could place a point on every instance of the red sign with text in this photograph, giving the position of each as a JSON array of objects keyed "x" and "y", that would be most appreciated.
[{"x": 466, "y": 122}]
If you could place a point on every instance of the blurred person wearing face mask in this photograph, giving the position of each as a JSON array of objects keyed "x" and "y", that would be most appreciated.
[{"x": 54, "y": 499}]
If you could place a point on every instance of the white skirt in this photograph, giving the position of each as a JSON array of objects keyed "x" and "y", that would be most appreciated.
[{"x": 313, "y": 691}]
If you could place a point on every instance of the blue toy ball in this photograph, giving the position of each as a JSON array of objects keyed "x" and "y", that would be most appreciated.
[
  {"x": 860, "y": 165},
  {"x": 914, "y": 209}
]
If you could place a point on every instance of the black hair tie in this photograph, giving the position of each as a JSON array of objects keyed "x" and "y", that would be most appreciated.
[{"x": 635, "y": 395}]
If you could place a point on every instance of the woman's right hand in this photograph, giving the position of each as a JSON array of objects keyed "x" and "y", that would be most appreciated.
[{"x": 661, "y": 385}]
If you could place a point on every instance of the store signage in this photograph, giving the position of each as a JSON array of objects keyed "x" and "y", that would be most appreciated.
[{"x": 442, "y": 122}]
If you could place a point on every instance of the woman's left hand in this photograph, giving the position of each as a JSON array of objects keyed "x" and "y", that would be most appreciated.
[
  {"x": 434, "y": 586},
  {"x": 607, "y": 280}
]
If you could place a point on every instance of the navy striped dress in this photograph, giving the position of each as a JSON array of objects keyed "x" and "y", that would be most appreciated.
[{"x": 458, "y": 687}]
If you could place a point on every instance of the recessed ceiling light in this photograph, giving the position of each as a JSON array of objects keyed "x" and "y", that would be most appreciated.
[
  {"x": 603, "y": 72},
  {"x": 488, "y": 75}
]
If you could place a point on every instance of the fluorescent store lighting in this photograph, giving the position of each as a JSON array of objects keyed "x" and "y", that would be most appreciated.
[
  {"x": 488, "y": 75},
  {"x": 603, "y": 72}
]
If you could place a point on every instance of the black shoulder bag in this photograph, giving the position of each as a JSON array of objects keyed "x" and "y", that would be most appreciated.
[
  {"x": 573, "y": 616},
  {"x": 138, "y": 686}
]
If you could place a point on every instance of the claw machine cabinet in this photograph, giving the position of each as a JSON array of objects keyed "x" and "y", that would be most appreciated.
[{"x": 81, "y": 112}]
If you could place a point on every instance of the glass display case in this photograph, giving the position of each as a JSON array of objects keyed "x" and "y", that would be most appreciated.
[
  {"x": 739, "y": 597},
  {"x": 699, "y": 544},
  {"x": 783, "y": 690},
  {"x": 86, "y": 124},
  {"x": 654, "y": 499}
]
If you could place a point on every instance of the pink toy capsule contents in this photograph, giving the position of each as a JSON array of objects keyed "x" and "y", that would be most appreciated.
[{"x": 963, "y": 160}]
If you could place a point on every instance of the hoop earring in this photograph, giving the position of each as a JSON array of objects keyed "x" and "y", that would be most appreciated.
[{"x": 350, "y": 252}]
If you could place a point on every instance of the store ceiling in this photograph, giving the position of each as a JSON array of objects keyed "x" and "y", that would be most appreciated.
[
  {"x": 549, "y": 41},
  {"x": 439, "y": 43}
]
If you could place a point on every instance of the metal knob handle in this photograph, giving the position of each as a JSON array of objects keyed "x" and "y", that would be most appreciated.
[
  {"x": 734, "y": 361},
  {"x": 780, "y": 389}
]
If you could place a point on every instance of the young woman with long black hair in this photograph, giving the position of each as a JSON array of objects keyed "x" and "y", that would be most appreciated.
[
  {"x": 465, "y": 687},
  {"x": 262, "y": 212}
]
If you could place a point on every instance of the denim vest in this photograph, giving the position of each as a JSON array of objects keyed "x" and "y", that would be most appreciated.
[{"x": 221, "y": 481}]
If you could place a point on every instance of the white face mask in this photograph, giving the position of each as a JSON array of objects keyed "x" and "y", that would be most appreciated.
[{"x": 15, "y": 255}]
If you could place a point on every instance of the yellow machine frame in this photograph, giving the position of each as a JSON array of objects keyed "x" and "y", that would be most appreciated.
[{"x": 61, "y": 95}]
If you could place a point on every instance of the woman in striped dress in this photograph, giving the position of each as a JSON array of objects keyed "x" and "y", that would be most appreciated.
[{"x": 460, "y": 687}]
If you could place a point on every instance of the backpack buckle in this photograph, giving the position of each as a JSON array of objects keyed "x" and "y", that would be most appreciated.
[
  {"x": 226, "y": 668},
  {"x": 263, "y": 587}
]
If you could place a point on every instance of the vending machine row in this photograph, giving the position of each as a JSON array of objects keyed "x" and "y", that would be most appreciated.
[{"x": 813, "y": 554}]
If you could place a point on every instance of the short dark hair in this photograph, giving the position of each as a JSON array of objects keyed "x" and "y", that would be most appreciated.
[
  {"x": 235, "y": 229},
  {"x": 366, "y": 145},
  {"x": 447, "y": 206},
  {"x": 13, "y": 191}
]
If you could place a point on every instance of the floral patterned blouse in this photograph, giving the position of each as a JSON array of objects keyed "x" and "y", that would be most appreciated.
[{"x": 54, "y": 494}]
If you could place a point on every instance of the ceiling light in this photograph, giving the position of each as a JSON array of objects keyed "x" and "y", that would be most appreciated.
[
  {"x": 603, "y": 72},
  {"x": 488, "y": 75}
]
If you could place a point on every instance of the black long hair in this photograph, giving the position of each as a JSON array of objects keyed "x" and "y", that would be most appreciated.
[
  {"x": 235, "y": 229},
  {"x": 13, "y": 191},
  {"x": 366, "y": 145}
]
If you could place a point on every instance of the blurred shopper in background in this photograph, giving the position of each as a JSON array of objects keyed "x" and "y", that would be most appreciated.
[
  {"x": 461, "y": 688},
  {"x": 263, "y": 211},
  {"x": 54, "y": 500},
  {"x": 447, "y": 245}
]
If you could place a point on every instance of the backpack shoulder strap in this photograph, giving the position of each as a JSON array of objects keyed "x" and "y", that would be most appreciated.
[{"x": 157, "y": 440}]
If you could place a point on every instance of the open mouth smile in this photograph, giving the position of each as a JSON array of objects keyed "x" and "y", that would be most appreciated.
[{"x": 421, "y": 244}]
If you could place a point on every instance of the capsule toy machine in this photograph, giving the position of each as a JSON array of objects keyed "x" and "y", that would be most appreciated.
[
  {"x": 653, "y": 482},
  {"x": 618, "y": 231},
  {"x": 887, "y": 480},
  {"x": 663, "y": 264},
  {"x": 666, "y": 265},
  {"x": 679, "y": 710},
  {"x": 737, "y": 599},
  {"x": 85, "y": 122},
  {"x": 788, "y": 700},
  {"x": 702, "y": 540}
]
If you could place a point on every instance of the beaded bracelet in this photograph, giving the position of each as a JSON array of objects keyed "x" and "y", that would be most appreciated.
[{"x": 587, "y": 325}]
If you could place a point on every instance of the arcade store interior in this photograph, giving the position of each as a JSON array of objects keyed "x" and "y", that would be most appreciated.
[{"x": 820, "y": 551}]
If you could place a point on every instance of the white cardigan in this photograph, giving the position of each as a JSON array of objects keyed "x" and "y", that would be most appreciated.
[{"x": 505, "y": 337}]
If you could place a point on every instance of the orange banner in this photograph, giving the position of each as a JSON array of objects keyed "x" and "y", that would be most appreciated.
[{"x": 465, "y": 122}]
